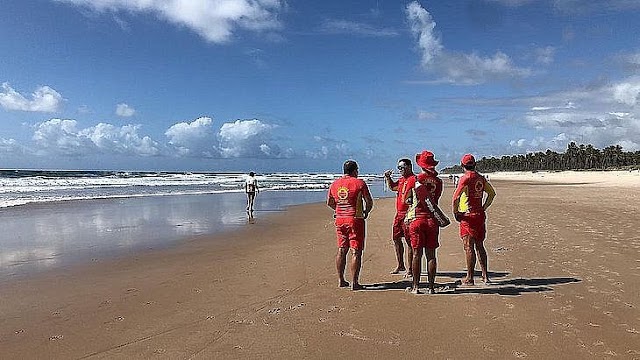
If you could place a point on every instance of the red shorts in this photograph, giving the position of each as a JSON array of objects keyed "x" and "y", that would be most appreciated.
[
  {"x": 399, "y": 228},
  {"x": 473, "y": 224},
  {"x": 350, "y": 233},
  {"x": 424, "y": 233}
]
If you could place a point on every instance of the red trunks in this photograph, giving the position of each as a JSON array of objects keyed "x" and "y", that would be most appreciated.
[
  {"x": 399, "y": 228},
  {"x": 473, "y": 224},
  {"x": 424, "y": 233},
  {"x": 350, "y": 232}
]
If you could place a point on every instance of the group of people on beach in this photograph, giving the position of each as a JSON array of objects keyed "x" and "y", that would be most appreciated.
[{"x": 417, "y": 220}]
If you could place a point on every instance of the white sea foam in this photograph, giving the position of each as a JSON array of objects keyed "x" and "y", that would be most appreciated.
[{"x": 20, "y": 187}]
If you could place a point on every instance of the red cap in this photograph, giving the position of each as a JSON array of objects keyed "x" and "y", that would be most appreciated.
[
  {"x": 468, "y": 159},
  {"x": 426, "y": 160}
]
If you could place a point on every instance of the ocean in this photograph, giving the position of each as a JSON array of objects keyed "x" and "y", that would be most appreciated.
[{"x": 55, "y": 218}]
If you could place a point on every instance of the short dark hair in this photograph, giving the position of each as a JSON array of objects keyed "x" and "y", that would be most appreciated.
[
  {"x": 350, "y": 166},
  {"x": 251, "y": 173},
  {"x": 469, "y": 167},
  {"x": 406, "y": 162}
]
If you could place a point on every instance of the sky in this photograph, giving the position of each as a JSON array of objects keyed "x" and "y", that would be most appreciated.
[{"x": 289, "y": 86}]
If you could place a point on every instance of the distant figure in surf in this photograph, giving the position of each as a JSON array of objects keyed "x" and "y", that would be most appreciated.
[{"x": 252, "y": 189}]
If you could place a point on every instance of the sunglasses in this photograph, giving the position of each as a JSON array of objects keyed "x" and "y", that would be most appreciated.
[{"x": 401, "y": 167}]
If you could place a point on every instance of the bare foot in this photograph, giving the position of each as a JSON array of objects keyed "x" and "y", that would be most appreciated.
[
  {"x": 356, "y": 287},
  {"x": 467, "y": 283},
  {"x": 398, "y": 270},
  {"x": 412, "y": 290},
  {"x": 486, "y": 281},
  {"x": 408, "y": 274},
  {"x": 343, "y": 284}
]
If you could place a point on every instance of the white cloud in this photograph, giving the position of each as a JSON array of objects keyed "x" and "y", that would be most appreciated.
[
  {"x": 124, "y": 110},
  {"x": 423, "y": 26},
  {"x": 330, "y": 148},
  {"x": 120, "y": 140},
  {"x": 193, "y": 139},
  {"x": 247, "y": 138},
  {"x": 627, "y": 93},
  {"x": 356, "y": 28},
  {"x": 425, "y": 115},
  {"x": 545, "y": 55},
  {"x": 602, "y": 116},
  {"x": 62, "y": 136},
  {"x": 11, "y": 146},
  {"x": 44, "y": 99},
  {"x": 452, "y": 67},
  {"x": 214, "y": 20}
]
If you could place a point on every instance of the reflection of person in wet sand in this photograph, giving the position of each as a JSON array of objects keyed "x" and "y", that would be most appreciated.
[
  {"x": 346, "y": 195},
  {"x": 251, "y": 188},
  {"x": 470, "y": 212}
]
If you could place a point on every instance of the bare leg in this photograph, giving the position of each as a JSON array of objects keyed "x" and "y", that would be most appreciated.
[
  {"x": 409, "y": 256},
  {"x": 356, "y": 263},
  {"x": 250, "y": 198},
  {"x": 341, "y": 263},
  {"x": 416, "y": 267},
  {"x": 482, "y": 259},
  {"x": 471, "y": 258},
  {"x": 432, "y": 267},
  {"x": 397, "y": 243}
]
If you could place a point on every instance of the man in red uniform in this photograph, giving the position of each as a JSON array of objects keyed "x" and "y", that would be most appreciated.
[
  {"x": 470, "y": 211},
  {"x": 346, "y": 196},
  {"x": 423, "y": 227},
  {"x": 403, "y": 187}
]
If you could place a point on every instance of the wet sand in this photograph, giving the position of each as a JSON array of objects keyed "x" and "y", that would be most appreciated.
[{"x": 564, "y": 260}]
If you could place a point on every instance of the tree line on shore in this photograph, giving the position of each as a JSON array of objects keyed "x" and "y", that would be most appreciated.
[{"x": 576, "y": 157}]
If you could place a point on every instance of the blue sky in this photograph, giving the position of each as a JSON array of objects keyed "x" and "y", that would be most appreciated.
[{"x": 273, "y": 85}]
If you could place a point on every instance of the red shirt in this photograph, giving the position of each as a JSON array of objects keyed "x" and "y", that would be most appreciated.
[
  {"x": 403, "y": 187},
  {"x": 428, "y": 185},
  {"x": 470, "y": 190},
  {"x": 348, "y": 193}
]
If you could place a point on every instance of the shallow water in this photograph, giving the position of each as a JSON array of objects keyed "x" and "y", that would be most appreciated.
[{"x": 42, "y": 236}]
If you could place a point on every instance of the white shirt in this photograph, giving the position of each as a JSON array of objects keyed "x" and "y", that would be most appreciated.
[{"x": 251, "y": 184}]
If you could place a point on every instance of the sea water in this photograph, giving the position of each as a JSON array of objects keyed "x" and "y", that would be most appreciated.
[{"x": 52, "y": 218}]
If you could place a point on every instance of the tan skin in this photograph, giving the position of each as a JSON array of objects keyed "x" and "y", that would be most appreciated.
[
  {"x": 356, "y": 255},
  {"x": 473, "y": 246},
  {"x": 416, "y": 267},
  {"x": 405, "y": 171}
]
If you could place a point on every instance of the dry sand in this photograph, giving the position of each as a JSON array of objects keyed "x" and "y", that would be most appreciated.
[{"x": 564, "y": 258}]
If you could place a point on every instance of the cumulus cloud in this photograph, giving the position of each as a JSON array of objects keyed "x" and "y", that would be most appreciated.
[
  {"x": 214, "y": 20},
  {"x": 248, "y": 138},
  {"x": 601, "y": 115},
  {"x": 62, "y": 136},
  {"x": 356, "y": 28},
  {"x": 329, "y": 148},
  {"x": 196, "y": 138},
  {"x": 453, "y": 67},
  {"x": 44, "y": 99},
  {"x": 11, "y": 146},
  {"x": 124, "y": 110}
]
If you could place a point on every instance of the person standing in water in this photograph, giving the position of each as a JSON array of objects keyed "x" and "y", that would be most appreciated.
[{"x": 251, "y": 189}]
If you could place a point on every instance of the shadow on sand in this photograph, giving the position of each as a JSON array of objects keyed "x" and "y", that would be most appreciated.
[{"x": 500, "y": 284}]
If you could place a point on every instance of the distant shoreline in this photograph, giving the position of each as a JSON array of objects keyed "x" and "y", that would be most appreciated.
[{"x": 622, "y": 178}]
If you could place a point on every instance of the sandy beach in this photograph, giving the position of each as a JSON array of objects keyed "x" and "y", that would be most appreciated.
[{"x": 564, "y": 257}]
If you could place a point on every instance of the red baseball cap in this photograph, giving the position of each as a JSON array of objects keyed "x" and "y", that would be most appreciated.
[
  {"x": 468, "y": 159},
  {"x": 426, "y": 160}
]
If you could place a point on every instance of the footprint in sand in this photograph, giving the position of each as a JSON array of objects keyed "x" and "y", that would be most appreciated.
[{"x": 520, "y": 354}]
